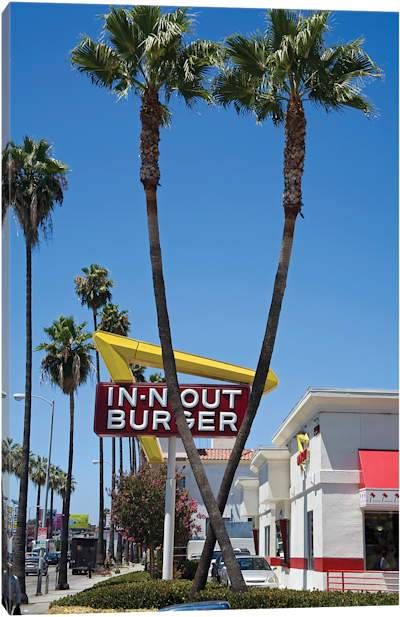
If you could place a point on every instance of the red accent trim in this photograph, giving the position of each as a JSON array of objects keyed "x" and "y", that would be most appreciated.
[
  {"x": 323, "y": 564},
  {"x": 379, "y": 469},
  {"x": 298, "y": 562},
  {"x": 274, "y": 561}
]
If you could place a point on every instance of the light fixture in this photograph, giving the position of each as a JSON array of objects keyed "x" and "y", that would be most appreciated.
[
  {"x": 379, "y": 528},
  {"x": 18, "y": 396}
]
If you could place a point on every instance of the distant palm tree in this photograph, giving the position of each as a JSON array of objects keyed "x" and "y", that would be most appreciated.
[
  {"x": 94, "y": 291},
  {"x": 56, "y": 477},
  {"x": 33, "y": 183},
  {"x": 67, "y": 363},
  {"x": 116, "y": 321},
  {"x": 38, "y": 477},
  {"x": 273, "y": 75},
  {"x": 11, "y": 454}
]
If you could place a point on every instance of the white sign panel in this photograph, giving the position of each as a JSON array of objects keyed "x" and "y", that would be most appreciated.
[{"x": 381, "y": 499}]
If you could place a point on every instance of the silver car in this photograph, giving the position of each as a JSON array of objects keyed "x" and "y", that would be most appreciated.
[
  {"x": 256, "y": 572},
  {"x": 32, "y": 564}
]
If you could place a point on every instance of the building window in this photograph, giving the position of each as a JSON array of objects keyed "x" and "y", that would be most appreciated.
[
  {"x": 267, "y": 540},
  {"x": 381, "y": 540},
  {"x": 310, "y": 540}
]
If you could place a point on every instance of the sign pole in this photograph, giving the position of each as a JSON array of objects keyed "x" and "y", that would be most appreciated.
[{"x": 169, "y": 520}]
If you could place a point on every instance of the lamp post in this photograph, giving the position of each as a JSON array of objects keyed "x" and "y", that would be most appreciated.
[{"x": 20, "y": 397}]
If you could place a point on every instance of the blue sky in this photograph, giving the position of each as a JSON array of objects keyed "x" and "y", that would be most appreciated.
[{"x": 220, "y": 217}]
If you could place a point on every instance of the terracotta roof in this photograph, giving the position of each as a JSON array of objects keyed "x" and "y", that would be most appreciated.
[{"x": 221, "y": 454}]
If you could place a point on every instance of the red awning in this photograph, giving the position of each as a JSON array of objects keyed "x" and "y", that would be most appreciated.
[{"x": 379, "y": 468}]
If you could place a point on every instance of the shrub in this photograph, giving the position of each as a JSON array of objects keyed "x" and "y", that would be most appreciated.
[
  {"x": 188, "y": 569},
  {"x": 135, "y": 591}
]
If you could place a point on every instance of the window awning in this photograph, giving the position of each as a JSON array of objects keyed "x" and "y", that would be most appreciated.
[{"x": 379, "y": 469}]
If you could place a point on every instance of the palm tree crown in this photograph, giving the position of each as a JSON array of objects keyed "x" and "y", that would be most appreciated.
[
  {"x": 114, "y": 320},
  {"x": 291, "y": 60},
  {"x": 93, "y": 289},
  {"x": 144, "y": 51},
  {"x": 33, "y": 182},
  {"x": 67, "y": 362}
]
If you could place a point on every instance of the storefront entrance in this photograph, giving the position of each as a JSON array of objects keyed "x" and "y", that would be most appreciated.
[{"x": 381, "y": 540}]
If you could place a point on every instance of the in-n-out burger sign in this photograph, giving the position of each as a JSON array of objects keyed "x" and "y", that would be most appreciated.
[{"x": 130, "y": 409}]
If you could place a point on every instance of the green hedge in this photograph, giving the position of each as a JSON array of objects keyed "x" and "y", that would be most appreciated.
[{"x": 136, "y": 592}]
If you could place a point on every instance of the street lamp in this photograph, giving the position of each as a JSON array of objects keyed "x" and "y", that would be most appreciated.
[{"x": 21, "y": 397}]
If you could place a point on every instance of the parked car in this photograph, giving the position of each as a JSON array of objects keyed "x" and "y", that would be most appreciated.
[
  {"x": 218, "y": 562},
  {"x": 52, "y": 559},
  {"x": 208, "y": 605},
  {"x": 256, "y": 572},
  {"x": 32, "y": 564}
]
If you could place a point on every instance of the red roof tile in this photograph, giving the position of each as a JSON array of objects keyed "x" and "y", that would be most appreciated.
[{"x": 221, "y": 454}]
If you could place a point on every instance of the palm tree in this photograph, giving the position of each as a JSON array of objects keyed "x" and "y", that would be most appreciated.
[
  {"x": 93, "y": 290},
  {"x": 56, "y": 480},
  {"x": 33, "y": 183},
  {"x": 272, "y": 76},
  {"x": 116, "y": 321},
  {"x": 67, "y": 364},
  {"x": 38, "y": 477},
  {"x": 143, "y": 50},
  {"x": 11, "y": 454}
]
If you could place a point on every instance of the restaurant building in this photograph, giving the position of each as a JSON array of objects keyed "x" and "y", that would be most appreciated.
[{"x": 323, "y": 499}]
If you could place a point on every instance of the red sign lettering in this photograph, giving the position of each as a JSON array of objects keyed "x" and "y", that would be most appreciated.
[{"x": 127, "y": 409}]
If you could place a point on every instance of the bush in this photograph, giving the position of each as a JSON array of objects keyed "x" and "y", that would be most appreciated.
[
  {"x": 188, "y": 569},
  {"x": 134, "y": 591}
]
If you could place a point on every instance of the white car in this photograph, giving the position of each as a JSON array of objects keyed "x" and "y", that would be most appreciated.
[{"x": 256, "y": 572}]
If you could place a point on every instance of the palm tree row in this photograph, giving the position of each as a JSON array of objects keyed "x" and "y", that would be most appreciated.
[
  {"x": 271, "y": 75},
  {"x": 12, "y": 464}
]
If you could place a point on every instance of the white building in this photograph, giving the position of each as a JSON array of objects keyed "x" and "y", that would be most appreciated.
[
  {"x": 321, "y": 514},
  {"x": 338, "y": 510}
]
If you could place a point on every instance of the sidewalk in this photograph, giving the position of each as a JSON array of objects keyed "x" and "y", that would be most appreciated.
[{"x": 39, "y": 605}]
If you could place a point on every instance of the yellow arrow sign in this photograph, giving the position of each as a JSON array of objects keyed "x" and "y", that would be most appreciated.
[{"x": 118, "y": 352}]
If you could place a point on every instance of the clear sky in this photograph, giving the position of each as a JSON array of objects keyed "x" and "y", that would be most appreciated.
[{"x": 221, "y": 219}]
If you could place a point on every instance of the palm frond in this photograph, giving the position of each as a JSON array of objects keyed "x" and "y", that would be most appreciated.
[
  {"x": 250, "y": 54},
  {"x": 99, "y": 61},
  {"x": 281, "y": 23}
]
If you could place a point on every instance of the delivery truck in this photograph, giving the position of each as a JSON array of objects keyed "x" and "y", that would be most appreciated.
[{"x": 83, "y": 555}]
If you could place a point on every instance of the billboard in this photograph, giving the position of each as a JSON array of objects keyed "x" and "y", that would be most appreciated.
[
  {"x": 78, "y": 521},
  {"x": 126, "y": 409}
]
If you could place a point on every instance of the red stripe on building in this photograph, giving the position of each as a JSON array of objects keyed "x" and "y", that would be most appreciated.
[
  {"x": 298, "y": 562},
  {"x": 323, "y": 564}
]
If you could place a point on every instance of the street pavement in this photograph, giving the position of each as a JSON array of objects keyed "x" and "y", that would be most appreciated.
[{"x": 39, "y": 605}]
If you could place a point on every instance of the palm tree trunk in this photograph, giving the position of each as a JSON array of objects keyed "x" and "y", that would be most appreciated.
[
  {"x": 62, "y": 577},
  {"x": 20, "y": 538},
  {"x": 112, "y": 526},
  {"x": 51, "y": 512},
  {"x": 295, "y": 129},
  {"x": 121, "y": 458},
  {"x": 150, "y": 175},
  {"x": 37, "y": 512},
  {"x": 100, "y": 556}
]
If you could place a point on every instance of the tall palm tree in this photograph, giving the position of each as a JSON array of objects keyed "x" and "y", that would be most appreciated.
[
  {"x": 116, "y": 321},
  {"x": 38, "y": 477},
  {"x": 273, "y": 75},
  {"x": 33, "y": 183},
  {"x": 94, "y": 291},
  {"x": 144, "y": 51},
  {"x": 67, "y": 363}
]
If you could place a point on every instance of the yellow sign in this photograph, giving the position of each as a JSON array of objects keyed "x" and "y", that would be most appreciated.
[
  {"x": 302, "y": 443},
  {"x": 118, "y": 352},
  {"x": 78, "y": 521}
]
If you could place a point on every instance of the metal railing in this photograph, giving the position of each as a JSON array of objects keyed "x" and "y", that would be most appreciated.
[{"x": 363, "y": 580}]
